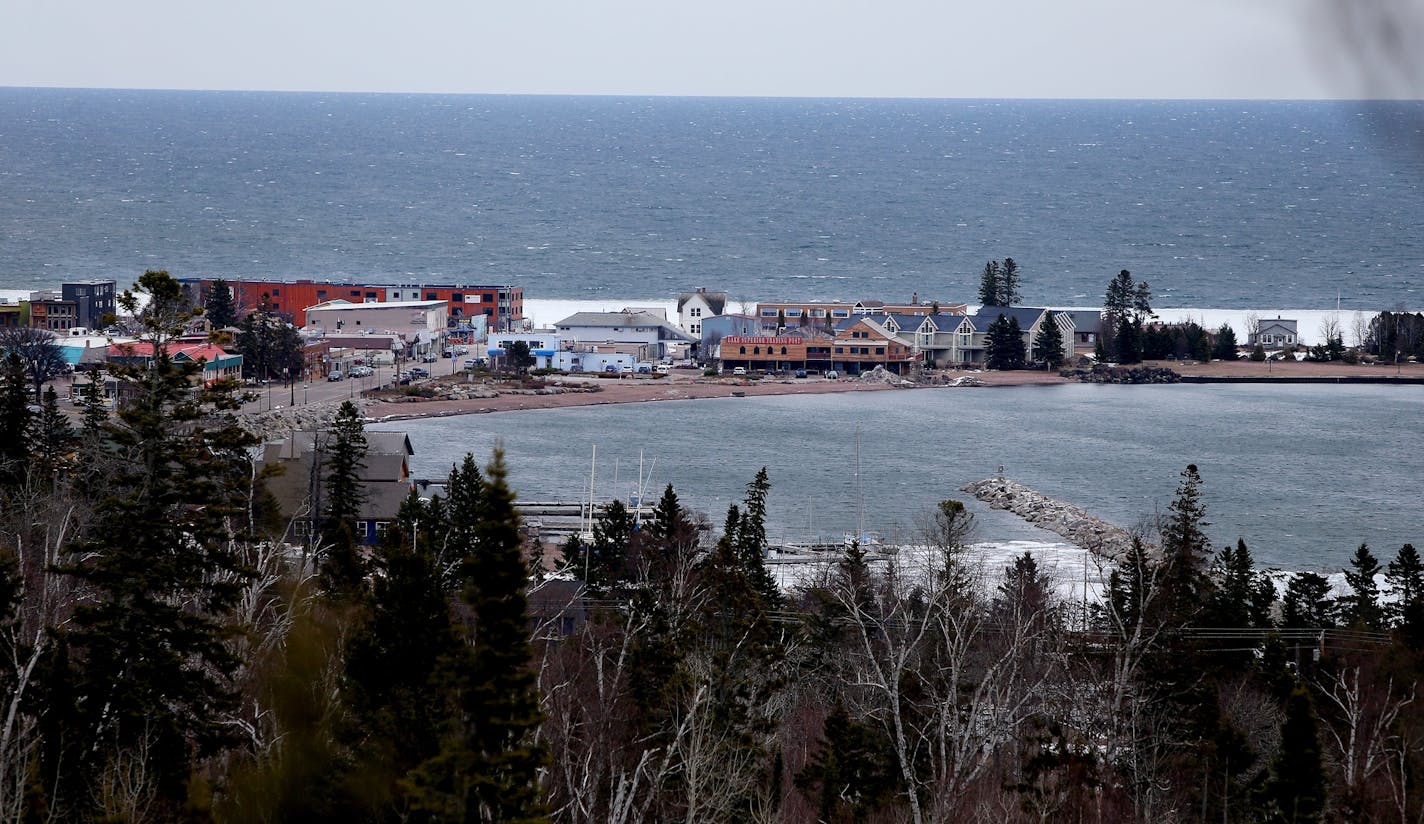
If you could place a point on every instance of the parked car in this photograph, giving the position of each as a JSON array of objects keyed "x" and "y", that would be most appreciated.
[
  {"x": 832, "y": 374},
  {"x": 740, "y": 370},
  {"x": 664, "y": 368},
  {"x": 429, "y": 357},
  {"x": 800, "y": 373},
  {"x": 418, "y": 372},
  {"x": 362, "y": 371},
  {"x": 335, "y": 375}
]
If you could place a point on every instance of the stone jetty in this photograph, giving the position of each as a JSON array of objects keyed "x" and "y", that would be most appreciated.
[
  {"x": 1122, "y": 374},
  {"x": 1075, "y": 525}
]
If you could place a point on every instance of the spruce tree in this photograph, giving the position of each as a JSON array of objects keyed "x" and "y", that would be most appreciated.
[
  {"x": 149, "y": 668},
  {"x": 751, "y": 543},
  {"x": 673, "y": 535},
  {"x": 220, "y": 309},
  {"x": 852, "y": 775},
  {"x": 488, "y": 765},
  {"x": 1361, "y": 607},
  {"x": 343, "y": 570},
  {"x": 1009, "y": 280},
  {"x": 1226, "y": 345},
  {"x": 1048, "y": 343},
  {"x": 1306, "y": 604},
  {"x": 1185, "y": 552},
  {"x": 991, "y": 285},
  {"x": 15, "y": 422},
  {"x": 1004, "y": 346},
  {"x": 52, "y": 440},
  {"x": 1242, "y": 596},
  {"x": 1298, "y": 781},
  {"x": 1405, "y": 575}
]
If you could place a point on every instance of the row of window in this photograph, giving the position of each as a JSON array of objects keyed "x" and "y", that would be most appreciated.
[
  {"x": 796, "y": 313},
  {"x": 364, "y": 529}
]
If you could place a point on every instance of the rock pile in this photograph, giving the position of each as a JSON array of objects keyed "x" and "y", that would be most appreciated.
[
  {"x": 1074, "y": 524},
  {"x": 1123, "y": 374},
  {"x": 279, "y": 423}
]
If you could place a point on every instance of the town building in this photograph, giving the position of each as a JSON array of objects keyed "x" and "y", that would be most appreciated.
[
  {"x": 49, "y": 310},
  {"x": 217, "y": 364},
  {"x": 419, "y": 323},
  {"x": 94, "y": 301},
  {"x": 501, "y": 306},
  {"x": 790, "y": 314},
  {"x": 696, "y": 308},
  {"x": 971, "y": 336},
  {"x": 659, "y": 337},
  {"x": 298, "y": 487}
]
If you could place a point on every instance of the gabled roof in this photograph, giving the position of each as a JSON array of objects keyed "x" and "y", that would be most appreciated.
[
  {"x": 902, "y": 322},
  {"x": 1086, "y": 320},
  {"x": 618, "y": 320},
  {"x": 716, "y": 301},
  {"x": 865, "y": 320},
  {"x": 1026, "y": 316}
]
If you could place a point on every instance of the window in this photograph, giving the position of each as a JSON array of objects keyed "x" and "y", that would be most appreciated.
[
  {"x": 818, "y": 313},
  {"x": 430, "y": 296},
  {"x": 839, "y": 350},
  {"x": 793, "y": 313},
  {"x": 696, "y": 312},
  {"x": 360, "y": 529},
  {"x": 742, "y": 351},
  {"x": 276, "y": 292},
  {"x": 879, "y": 350},
  {"x": 768, "y": 313},
  {"x": 696, "y": 328},
  {"x": 756, "y": 350},
  {"x": 783, "y": 350},
  {"x": 840, "y": 313}
]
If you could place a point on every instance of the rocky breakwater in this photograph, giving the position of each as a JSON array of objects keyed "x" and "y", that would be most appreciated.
[
  {"x": 1122, "y": 374},
  {"x": 1076, "y": 525},
  {"x": 281, "y": 422}
]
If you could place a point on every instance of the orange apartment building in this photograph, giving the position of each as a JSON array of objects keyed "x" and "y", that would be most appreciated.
[{"x": 502, "y": 305}]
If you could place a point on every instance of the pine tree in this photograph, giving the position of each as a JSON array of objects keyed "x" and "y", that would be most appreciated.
[
  {"x": 852, "y": 775},
  {"x": 991, "y": 285},
  {"x": 53, "y": 440},
  {"x": 1242, "y": 596},
  {"x": 673, "y": 535},
  {"x": 1009, "y": 280},
  {"x": 1048, "y": 343},
  {"x": 1361, "y": 607},
  {"x": 15, "y": 422},
  {"x": 1004, "y": 346},
  {"x": 1297, "y": 787},
  {"x": 1405, "y": 575},
  {"x": 151, "y": 674},
  {"x": 220, "y": 309},
  {"x": 606, "y": 564},
  {"x": 396, "y": 693},
  {"x": 488, "y": 765},
  {"x": 1185, "y": 552},
  {"x": 1225, "y": 346},
  {"x": 1306, "y": 604},
  {"x": 342, "y": 569},
  {"x": 751, "y": 544}
]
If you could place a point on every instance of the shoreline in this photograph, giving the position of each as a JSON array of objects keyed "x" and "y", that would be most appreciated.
[{"x": 681, "y": 388}]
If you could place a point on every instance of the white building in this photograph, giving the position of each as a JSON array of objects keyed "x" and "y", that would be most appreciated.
[
  {"x": 1274, "y": 333},
  {"x": 695, "y": 307},
  {"x": 657, "y": 335},
  {"x": 421, "y": 324}
]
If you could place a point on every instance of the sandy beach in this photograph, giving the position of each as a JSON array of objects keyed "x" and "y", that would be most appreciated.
[{"x": 689, "y": 385}]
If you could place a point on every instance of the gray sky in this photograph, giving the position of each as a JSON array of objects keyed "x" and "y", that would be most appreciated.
[{"x": 877, "y": 48}]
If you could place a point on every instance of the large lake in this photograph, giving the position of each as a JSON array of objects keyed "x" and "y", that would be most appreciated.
[{"x": 1302, "y": 473}]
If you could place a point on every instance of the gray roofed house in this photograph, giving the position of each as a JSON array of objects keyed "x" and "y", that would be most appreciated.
[
  {"x": 1087, "y": 328},
  {"x": 694, "y": 308},
  {"x": 298, "y": 487},
  {"x": 623, "y": 327},
  {"x": 972, "y": 333}
]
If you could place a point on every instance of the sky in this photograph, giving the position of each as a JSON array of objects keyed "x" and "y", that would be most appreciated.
[{"x": 1249, "y": 49}]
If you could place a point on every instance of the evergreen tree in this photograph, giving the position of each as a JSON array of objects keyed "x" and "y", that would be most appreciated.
[
  {"x": 53, "y": 440},
  {"x": 672, "y": 533},
  {"x": 1185, "y": 552},
  {"x": 1003, "y": 345},
  {"x": 1297, "y": 787},
  {"x": 1125, "y": 307},
  {"x": 750, "y": 541},
  {"x": 1405, "y": 575},
  {"x": 342, "y": 569},
  {"x": 991, "y": 285},
  {"x": 605, "y": 564},
  {"x": 220, "y": 309},
  {"x": 488, "y": 765},
  {"x": 1361, "y": 607},
  {"x": 15, "y": 422},
  {"x": 1306, "y": 604},
  {"x": 1048, "y": 343},
  {"x": 852, "y": 775},
  {"x": 1225, "y": 346},
  {"x": 396, "y": 691},
  {"x": 1242, "y": 596},
  {"x": 1130, "y": 588},
  {"x": 151, "y": 674},
  {"x": 1009, "y": 281}
]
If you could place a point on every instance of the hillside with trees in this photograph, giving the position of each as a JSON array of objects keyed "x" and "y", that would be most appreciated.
[{"x": 165, "y": 658}]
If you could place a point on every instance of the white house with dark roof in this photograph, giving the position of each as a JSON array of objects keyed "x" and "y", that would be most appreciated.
[{"x": 693, "y": 308}]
